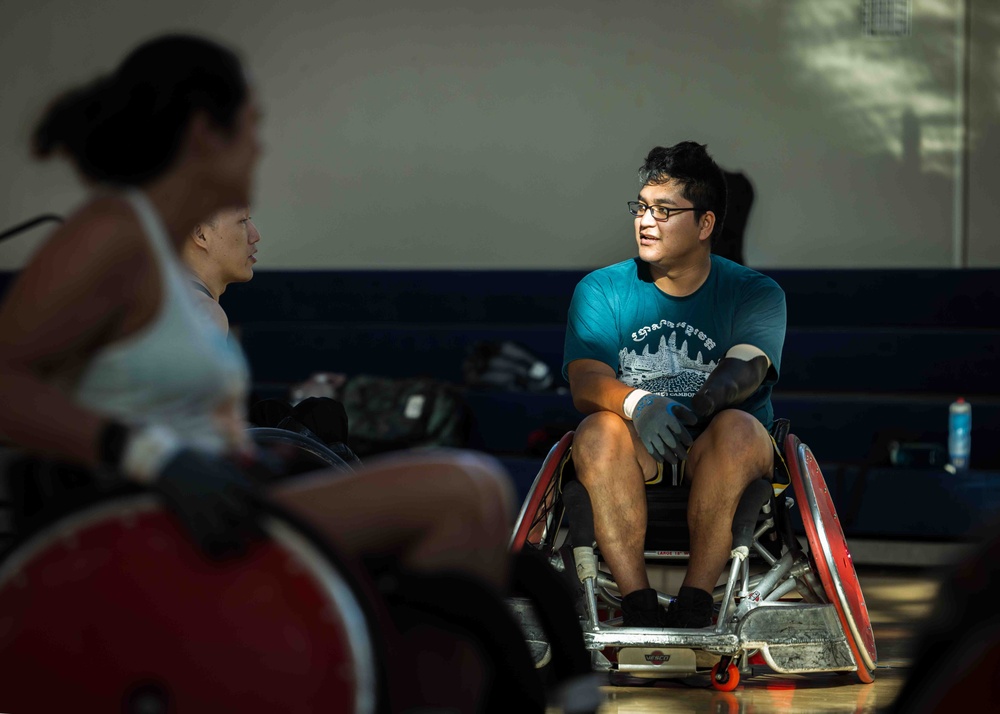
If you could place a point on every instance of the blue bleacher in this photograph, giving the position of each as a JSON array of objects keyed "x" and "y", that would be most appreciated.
[
  {"x": 869, "y": 354},
  {"x": 866, "y": 350}
]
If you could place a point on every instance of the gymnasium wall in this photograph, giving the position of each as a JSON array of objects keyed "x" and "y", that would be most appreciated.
[{"x": 437, "y": 135}]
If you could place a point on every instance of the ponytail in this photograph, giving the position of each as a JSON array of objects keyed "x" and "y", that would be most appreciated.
[
  {"x": 69, "y": 120},
  {"x": 127, "y": 128}
]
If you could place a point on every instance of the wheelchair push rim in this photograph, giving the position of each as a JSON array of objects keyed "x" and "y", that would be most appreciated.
[
  {"x": 832, "y": 558},
  {"x": 155, "y": 623},
  {"x": 533, "y": 521},
  {"x": 321, "y": 453}
]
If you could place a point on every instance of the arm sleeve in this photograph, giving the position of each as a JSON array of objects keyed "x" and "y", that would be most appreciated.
[
  {"x": 591, "y": 329},
  {"x": 760, "y": 321}
]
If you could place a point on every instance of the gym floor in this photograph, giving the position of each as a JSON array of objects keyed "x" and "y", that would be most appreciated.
[{"x": 898, "y": 601}]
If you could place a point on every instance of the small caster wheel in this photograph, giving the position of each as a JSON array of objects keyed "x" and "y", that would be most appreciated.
[{"x": 727, "y": 679}]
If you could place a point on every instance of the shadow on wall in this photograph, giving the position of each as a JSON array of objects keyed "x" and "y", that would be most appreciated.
[{"x": 739, "y": 199}]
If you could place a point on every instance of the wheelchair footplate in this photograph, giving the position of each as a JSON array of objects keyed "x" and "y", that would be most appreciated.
[
  {"x": 657, "y": 662},
  {"x": 658, "y": 653},
  {"x": 788, "y": 638},
  {"x": 631, "y": 666}
]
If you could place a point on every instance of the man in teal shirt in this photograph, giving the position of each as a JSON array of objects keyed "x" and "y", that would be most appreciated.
[{"x": 672, "y": 356}]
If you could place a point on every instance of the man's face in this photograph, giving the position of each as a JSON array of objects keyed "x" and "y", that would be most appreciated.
[
  {"x": 664, "y": 242},
  {"x": 232, "y": 242}
]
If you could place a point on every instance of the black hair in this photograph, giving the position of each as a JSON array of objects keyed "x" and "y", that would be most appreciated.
[
  {"x": 689, "y": 164},
  {"x": 127, "y": 127}
]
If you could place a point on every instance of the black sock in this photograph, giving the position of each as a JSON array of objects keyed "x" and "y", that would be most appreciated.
[
  {"x": 692, "y": 608},
  {"x": 642, "y": 609},
  {"x": 640, "y": 600},
  {"x": 689, "y": 598}
]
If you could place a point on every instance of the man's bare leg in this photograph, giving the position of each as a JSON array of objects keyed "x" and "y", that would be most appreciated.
[
  {"x": 608, "y": 465},
  {"x": 733, "y": 451}
]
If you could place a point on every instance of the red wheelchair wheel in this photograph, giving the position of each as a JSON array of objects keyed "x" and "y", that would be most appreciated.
[
  {"x": 115, "y": 609},
  {"x": 830, "y": 554},
  {"x": 534, "y": 523}
]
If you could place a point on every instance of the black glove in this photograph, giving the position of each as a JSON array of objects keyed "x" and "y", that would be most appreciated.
[
  {"x": 729, "y": 384},
  {"x": 213, "y": 500},
  {"x": 659, "y": 421}
]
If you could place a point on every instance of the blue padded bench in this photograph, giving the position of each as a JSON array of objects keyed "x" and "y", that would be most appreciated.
[
  {"x": 868, "y": 352},
  {"x": 865, "y": 349}
]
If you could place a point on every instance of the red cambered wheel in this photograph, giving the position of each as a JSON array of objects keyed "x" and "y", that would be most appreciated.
[
  {"x": 114, "y": 608},
  {"x": 531, "y": 522},
  {"x": 830, "y": 556},
  {"x": 728, "y": 679}
]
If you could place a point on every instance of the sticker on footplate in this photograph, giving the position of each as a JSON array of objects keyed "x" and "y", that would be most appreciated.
[{"x": 658, "y": 660}]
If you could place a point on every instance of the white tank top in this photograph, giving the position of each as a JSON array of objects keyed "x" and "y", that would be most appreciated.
[{"x": 179, "y": 370}]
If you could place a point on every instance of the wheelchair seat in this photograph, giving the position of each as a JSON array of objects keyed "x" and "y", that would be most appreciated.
[
  {"x": 825, "y": 628},
  {"x": 115, "y": 606}
]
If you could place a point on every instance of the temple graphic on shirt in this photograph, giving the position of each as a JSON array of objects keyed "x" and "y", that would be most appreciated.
[{"x": 668, "y": 371}]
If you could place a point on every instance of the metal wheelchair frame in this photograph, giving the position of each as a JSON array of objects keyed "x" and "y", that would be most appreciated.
[{"x": 827, "y": 630}]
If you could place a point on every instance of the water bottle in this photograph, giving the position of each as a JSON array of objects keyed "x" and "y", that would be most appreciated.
[{"x": 959, "y": 433}]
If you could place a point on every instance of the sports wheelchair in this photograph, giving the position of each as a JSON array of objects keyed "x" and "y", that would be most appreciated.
[
  {"x": 112, "y": 605},
  {"x": 115, "y": 607},
  {"x": 804, "y": 613}
]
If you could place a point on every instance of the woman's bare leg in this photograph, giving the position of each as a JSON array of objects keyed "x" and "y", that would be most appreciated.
[{"x": 436, "y": 511}]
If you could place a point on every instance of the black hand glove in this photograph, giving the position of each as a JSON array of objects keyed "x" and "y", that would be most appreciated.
[
  {"x": 729, "y": 384},
  {"x": 212, "y": 498},
  {"x": 659, "y": 421}
]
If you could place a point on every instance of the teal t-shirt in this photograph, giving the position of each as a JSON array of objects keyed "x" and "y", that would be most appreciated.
[{"x": 669, "y": 345}]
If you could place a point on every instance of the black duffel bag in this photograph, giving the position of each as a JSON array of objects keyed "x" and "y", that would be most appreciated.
[{"x": 389, "y": 414}]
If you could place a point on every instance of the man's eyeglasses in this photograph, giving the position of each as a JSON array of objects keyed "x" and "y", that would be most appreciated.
[{"x": 660, "y": 213}]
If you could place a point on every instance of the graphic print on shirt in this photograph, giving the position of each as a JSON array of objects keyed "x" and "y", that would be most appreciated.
[{"x": 669, "y": 370}]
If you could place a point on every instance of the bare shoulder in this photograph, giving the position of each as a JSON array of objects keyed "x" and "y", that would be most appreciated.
[
  {"x": 104, "y": 232},
  {"x": 212, "y": 310},
  {"x": 98, "y": 257},
  {"x": 80, "y": 285}
]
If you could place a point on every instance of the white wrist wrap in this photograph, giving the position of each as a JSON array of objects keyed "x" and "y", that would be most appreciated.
[
  {"x": 148, "y": 450},
  {"x": 631, "y": 400}
]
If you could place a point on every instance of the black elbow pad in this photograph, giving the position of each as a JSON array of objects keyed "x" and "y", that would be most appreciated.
[{"x": 732, "y": 381}]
